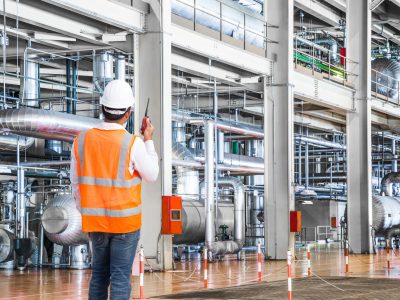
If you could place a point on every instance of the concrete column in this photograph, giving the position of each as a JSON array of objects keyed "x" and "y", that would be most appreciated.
[
  {"x": 278, "y": 126},
  {"x": 359, "y": 166},
  {"x": 154, "y": 82}
]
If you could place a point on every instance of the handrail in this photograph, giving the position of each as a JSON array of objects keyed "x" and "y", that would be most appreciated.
[{"x": 241, "y": 26}]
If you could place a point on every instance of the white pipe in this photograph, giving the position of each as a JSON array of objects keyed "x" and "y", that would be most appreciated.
[{"x": 209, "y": 180}]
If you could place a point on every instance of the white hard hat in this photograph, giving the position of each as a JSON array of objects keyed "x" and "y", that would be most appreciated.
[{"x": 117, "y": 94}]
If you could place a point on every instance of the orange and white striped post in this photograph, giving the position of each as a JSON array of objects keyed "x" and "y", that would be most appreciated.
[
  {"x": 289, "y": 265},
  {"x": 141, "y": 275},
  {"x": 387, "y": 254},
  {"x": 205, "y": 268},
  {"x": 309, "y": 260},
  {"x": 346, "y": 253},
  {"x": 259, "y": 261}
]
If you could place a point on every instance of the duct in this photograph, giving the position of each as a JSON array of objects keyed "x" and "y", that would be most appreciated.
[
  {"x": 386, "y": 213},
  {"x": 187, "y": 185},
  {"x": 8, "y": 142},
  {"x": 319, "y": 142},
  {"x": 386, "y": 82},
  {"x": 45, "y": 124},
  {"x": 179, "y": 132},
  {"x": 30, "y": 83},
  {"x": 225, "y": 126},
  {"x": 209, "y": 182},
  {"x": 120, "y": 65},
  {"x": 387, "y": 183},
  {"x": 62, "y": 221},
  {"x": 333, "y": 48},
  {"x": 102, "y": 70}
]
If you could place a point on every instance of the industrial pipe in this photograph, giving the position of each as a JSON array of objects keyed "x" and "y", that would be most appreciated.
[
  {"x": 45, "y": 124},
  {"x": 209, "y": 181},
  {"x": 8, "y": 142}
]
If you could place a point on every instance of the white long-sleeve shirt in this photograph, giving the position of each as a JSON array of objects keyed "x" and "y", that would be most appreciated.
[{"x": 143, "y": 156}]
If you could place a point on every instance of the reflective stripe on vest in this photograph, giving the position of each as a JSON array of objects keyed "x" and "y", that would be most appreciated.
[{"x": 111, "y": 212}]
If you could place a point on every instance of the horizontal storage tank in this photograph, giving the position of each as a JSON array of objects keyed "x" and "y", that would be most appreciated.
[
  {"x": 62, "y": 222},
  {"x": 194, "y": 221},
  {"x": 385, "y": 213}
]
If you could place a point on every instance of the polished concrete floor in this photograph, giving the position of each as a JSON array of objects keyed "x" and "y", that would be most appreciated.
[{"x": 326, "y": 261}]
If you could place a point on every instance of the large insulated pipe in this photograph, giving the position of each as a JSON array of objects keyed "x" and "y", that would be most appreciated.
[
  {"x": 225, "y": 126},
  {"x": 318, "y": 142},
  {"x": 209, "y": 181},
  {"x": 387, "y": 183},
  {"x": 239, "y": 206},
  {"x": 8, "y": 142},
  {"x": 120, "y": 67},
  {"x": 187, "y": 185},
  {"x": 30, "y": 83},
  {"x": 45, "y": 124}
]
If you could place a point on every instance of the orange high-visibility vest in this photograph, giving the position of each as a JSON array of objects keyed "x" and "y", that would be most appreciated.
[{"x": 110, "y": 195}]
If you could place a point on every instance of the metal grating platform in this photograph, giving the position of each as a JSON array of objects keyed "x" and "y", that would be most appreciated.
[{"x": 305, "y": 288}]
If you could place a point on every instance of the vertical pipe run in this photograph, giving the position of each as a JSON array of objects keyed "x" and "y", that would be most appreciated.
[
  {"x": 216, "y": 146},
  {"x": 300, "y": 166},
  {"x": 209, "y": 180},
  {"x": 394, "y": 164},
  {"x": 74, "y": 86},
  {"x": 120, "y": 67},
  {"x": 221, "y": 148},
  {"x": 21, "y": 203},
  {"x": 306, "y": 163},
  {"x": 68, "y": 91},
  {"x": 30, "y": 83}
]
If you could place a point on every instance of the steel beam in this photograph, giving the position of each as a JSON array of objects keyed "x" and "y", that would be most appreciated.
[
  {"x": 110, "y": 12},
  {"x": 359, "y": 165},
  {"x": 38, "y": 15},
  {"x": 278, "y": 128},
  {"x": 210, "y": 48}
]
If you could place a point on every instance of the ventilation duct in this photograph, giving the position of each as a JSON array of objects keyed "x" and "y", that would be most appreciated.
[
  {"x": 386, "y": 81},
  {"x": 187, "y": 185},
  {"x": 102, "y": 70},
  {"x": 45, "y": 124},
  {"x": 8, "y": 142}
]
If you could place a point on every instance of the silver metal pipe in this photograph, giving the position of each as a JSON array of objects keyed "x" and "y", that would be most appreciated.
[
  {"x": 8, "y": 142},
  {"x": 221, "y": 150},
  {"x": 225, "y": 126},
  {"x": 30, "y": 83},
  {"x": 102, "y": 70},
  {"x": 318, "y": 142},
  {"x": 209, "y": 181},
  {"x": 239, "y": 206},
  {"x": 187, "y": 185},
  {"x": 120, "y": 67},
  {"x": 45, "y": 124},
  {"x": 22, "y": 233}
]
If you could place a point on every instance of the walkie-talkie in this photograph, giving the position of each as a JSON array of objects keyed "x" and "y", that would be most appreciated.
[{"x": 144, "y": 121}]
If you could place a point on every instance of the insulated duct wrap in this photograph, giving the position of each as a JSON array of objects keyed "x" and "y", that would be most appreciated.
[
  {"x": 62, "y": 222},
  {"x": 386, "y": 81},
  {"x": 187, "y": 183},
  {"x": 8, "y": 142},
  {"x": 386, "y": 212},
  {"x": 45, "y": 124}
]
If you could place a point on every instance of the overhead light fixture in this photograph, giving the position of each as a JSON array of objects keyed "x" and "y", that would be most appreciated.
[{"x": 307, "y": 202}]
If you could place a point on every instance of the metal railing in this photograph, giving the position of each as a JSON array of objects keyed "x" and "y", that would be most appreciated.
[
  {"x": 238, "y": 29},
  {"x": 307, "y": 56},
  {"x": 385, "y": 87}
]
